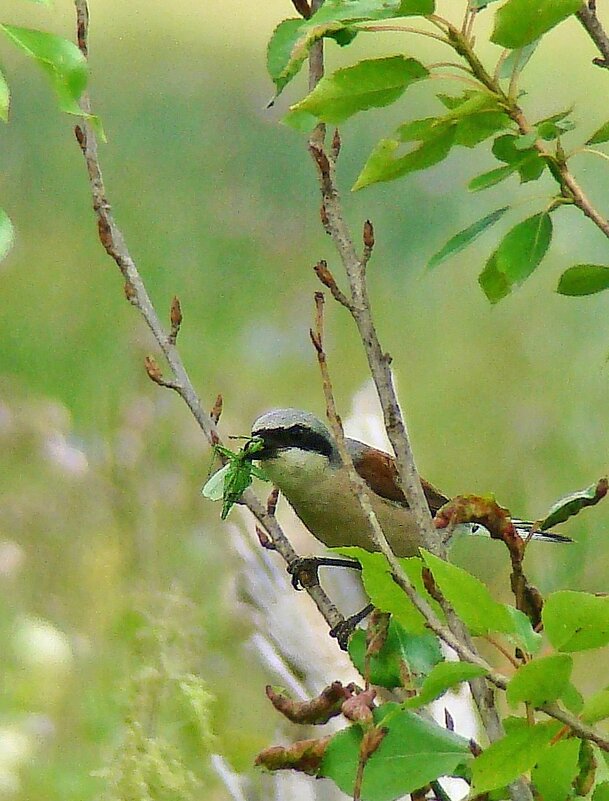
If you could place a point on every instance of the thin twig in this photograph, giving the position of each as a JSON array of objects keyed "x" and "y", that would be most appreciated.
[{"x": 114, "y": 243}]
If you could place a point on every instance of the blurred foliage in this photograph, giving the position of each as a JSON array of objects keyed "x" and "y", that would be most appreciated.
[{"x": 101, "y": 519}]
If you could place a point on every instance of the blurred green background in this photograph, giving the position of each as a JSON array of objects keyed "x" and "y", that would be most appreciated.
[{"x": 108, "y": 554}]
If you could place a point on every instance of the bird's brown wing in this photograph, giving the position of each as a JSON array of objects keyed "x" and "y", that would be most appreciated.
[{"x": 379, "y": 471}]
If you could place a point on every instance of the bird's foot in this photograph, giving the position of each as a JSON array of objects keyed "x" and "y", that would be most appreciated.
[
  {"x": 304, "y": 570},
  {"x": 346, "y": 627}
]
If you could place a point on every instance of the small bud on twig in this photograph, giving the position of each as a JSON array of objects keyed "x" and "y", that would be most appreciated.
[
  {"x": 368, "y": 235},
  {"x": 130, "y": 292},
  {"x": 216, "y": 410},
  {"x": 327, "y": 279},
  {"x": 271, "y": 502},
  {"x": 175, "y": 316},
  {"x": 155, "y": 374},
  {"x": 336, "y": 144},
  {"x": 264, "y": 539}
]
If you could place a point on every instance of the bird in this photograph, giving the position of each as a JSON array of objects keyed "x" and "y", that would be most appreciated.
[{"x": 300, "y": 456}]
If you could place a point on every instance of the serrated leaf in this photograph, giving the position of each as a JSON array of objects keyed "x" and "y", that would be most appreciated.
[
  {"x": 521, "y": 22},
  {"x": 418, "y": 652},
  {"x": 576, "y": 621},
  {"x": 444, "y": 676},
  {"x": 514, "y": 754},
  {"x": 292, "y": 39},
  {"x": 5, "y": 98},
  {"x": 412, "y": 753},
  {"x": 465, "y": 237},
  {"x": 59, "y": 58},
  {"x": 601, "y": 135},
  {"x": 540, "y": 681},
  {"x": 372, "y": 83},
  {"x": 572, "y": 504},
  {"x": 7, "y": 234},
  {"x": 469, "y": 597},
  {"x": 554, "y": 772},
  {"x": 583, "y": 279},
  {"x": 279, "y": 52},
  {"x": 384, "y": 165}
]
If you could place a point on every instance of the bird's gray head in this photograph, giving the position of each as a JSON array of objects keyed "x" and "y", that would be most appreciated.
[{"x": 282, "y": 429}]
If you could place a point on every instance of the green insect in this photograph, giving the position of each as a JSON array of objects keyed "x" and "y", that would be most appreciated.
[{"x": 230, "y": 482}]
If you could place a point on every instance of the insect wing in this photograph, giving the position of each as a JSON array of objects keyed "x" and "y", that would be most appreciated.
[{"x": 214, "y": 488}]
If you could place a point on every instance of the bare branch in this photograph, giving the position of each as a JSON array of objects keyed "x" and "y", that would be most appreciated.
[
  {"x": 587, "y": 16},
  {"x": 114, "y": 243}
]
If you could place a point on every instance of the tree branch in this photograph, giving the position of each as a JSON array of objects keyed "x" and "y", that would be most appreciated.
[
  {"x": 114, "y": 243},
  {"x": 587, "y": 16}
]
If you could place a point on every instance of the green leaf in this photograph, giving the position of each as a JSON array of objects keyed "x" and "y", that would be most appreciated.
[
  {"x": 411, "y": 8},
  {"x": 384, "y": 165},
  {"x": 300, "y": 121},
  {"x": 521, "y": 250},
  {"x": 576, "y": 621},
  {"x": 469, "y": 597},
  {"x": 596, "y": 707},
  {"x": 491, "y": 178},
  {"x": 385, "y": 594},
  {"x": 369, "y": 84},
  {"x": 293, "y": 38},
  {"x": 507, "y": 758},
  {"x": 418, "y": 652},
  {"x": 601, "y": 792},
  {"x": 413, "y": 752},
  {"x": 554, "y": 126},
  {"x": 556, "y": 769},
  {"x": 517, "y": 59},
  {"x": 7, "y": 234},
  {"x": 59, "y": 58},
  {"x": 279, "y": 64},
  {"x": 540, "y": 681},
  {"x": 465, "y": 237},
  {"x": 493, "y": 282},
  {"x": 5, "y": 98},
  {"x": 520, "y": 22},
  {"x": 602, "y": 135},
  {"x": 583, "y": 279},
  {"x": 524, "y": 637},
  {"x": 572, "y": 699},
  {"x": 444, "y": 676},
  {"x": 572, "y": 504},
  {"x": 478, "y": 115},
  {"x": 526, "y": 160}
]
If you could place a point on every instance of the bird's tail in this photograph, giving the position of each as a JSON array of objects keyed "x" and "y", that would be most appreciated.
[{"x": 524, "y": 527}]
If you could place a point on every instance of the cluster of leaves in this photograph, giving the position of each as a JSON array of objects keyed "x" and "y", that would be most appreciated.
[
  {"x": 487, "y": 112},
  {"x": 410, "y": 751},
  {"x": 64, "y": 64}
]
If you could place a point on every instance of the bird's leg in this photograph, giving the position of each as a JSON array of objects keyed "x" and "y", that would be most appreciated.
[
  {"x": 345, "y": 628},
  {"x": 304, "y": 569}
]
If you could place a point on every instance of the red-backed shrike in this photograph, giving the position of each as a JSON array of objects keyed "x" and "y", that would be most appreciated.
[{"x": 301, "y": 458}]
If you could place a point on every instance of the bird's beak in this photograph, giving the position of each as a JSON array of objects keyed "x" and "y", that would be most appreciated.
[{"x": 260, "y": 449}]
